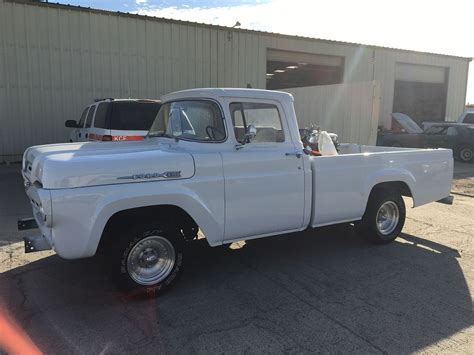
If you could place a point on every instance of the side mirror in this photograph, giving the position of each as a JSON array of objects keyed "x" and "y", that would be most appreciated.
[
  {"x": 71, "y": 124},
  {"x": 250, "y": 133}
]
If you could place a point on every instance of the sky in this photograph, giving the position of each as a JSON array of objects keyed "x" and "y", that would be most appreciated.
[{"x": 439, "y": 26}]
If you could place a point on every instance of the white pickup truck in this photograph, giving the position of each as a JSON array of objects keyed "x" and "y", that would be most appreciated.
[{"x": 229, "y": 162}]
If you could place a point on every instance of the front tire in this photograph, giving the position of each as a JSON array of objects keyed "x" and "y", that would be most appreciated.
[
  {"x": 384, "y": 217},
  {"x": 147, "y": 260}
]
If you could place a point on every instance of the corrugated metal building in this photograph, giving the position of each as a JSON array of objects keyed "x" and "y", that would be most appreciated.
[{"x": 55, "y": 59}]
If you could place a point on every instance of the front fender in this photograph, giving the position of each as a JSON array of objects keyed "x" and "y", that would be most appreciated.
[
  {"x": 81, "y": 214},
  {"x": 185, "y": 199}
]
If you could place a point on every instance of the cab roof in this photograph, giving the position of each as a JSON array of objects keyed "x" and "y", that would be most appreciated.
[{"x": 228, "y": 92}]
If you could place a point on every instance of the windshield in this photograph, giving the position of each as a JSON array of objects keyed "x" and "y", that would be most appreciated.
[
  {"x": 407, "y": 123},
  {"x": 197, "y": 120}
]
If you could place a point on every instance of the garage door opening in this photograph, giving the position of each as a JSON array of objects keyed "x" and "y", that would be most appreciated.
[
  {"x": 421, "y": 92},
  {"x": 294, "y": 69}
]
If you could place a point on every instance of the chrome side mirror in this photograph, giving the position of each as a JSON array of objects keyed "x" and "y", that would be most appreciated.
[{"x": 250, "y": 133}]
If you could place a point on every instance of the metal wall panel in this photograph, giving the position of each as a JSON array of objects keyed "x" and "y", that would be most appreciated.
[
  {"x": 420, "y": 73},
  {"x": 350, "y": 110},
  {"x": 384, "y": 72},
  {"x": 54, "y": 60}
]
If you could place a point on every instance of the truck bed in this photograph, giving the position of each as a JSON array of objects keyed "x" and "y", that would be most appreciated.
[{"x": 342, "y": 184}]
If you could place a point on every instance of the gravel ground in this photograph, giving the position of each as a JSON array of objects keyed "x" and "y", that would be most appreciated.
[{"x": 325, "y": 290}]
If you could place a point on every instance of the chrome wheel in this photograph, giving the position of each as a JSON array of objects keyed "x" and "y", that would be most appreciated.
[
  {"x": 387, "y": 217},
  {"x": 465, "y": 154},
  {"x": 151, "y": 260}
]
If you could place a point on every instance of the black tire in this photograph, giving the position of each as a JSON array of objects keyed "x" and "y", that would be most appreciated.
[
  {"x": 368, "y": 226},
  {"x": 147, "y": 239},
  {"x": 465, "y": 154}
]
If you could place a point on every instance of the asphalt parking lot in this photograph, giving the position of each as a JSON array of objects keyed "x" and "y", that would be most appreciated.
[{"x": 325, "y": 290}]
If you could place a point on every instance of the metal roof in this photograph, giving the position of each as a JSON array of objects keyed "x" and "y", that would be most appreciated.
[{"x": 219, "y": 27}]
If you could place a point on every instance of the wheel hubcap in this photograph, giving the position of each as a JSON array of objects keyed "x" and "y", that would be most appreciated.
[
  {"x": 387, "y": 217},
  {"x": 151, "y": 260},
  {"x": 466, "y": 154}
]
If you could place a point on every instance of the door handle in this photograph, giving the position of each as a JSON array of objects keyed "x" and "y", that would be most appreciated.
[{"x": 296, "y": 154}]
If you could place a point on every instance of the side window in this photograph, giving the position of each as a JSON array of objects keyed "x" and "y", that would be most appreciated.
[
  {"x": 469, "y": 118},
  {"x": 436, "y": 130},
  {"x": 101, "y": 114},
  {"x": 83, "y": 117},
  {"x": 265, "y": 117},
  {"x": 89, "y": 117}
]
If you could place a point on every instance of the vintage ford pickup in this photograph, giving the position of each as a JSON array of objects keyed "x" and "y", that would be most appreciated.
[{"x": 229, "y": 162}]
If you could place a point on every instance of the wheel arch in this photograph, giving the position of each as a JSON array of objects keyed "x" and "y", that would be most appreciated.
[
  {"x": 399, "y": 180},
  {"x": 182, "y": 209},
  {"x": 121, "y": 219},
  {"x": 400, "y": 186}
]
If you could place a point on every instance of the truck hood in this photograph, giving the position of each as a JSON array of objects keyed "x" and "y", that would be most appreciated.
[
  {"x": 58, "y": 166},
  {"x": 407, "y": 123}
]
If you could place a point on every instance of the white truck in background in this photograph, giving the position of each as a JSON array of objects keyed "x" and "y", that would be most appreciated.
[{"x": 229, "y": 162}]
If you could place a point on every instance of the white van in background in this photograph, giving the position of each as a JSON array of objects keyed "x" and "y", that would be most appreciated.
[{"x": 114, "y": 120}]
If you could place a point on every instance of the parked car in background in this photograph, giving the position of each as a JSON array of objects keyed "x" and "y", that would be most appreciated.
[
  {"x": 458, "y": 137},
  {"x": 114, "y": 120},
  {"x": 466, "y": 117},
  {"x": 404, "y": 133}
]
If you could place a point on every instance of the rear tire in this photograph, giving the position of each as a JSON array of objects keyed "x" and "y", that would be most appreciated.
[
  {"x": 147, "y": 259},
  {"x": 384, "y": 217},
  {"x": 465, "y": 154}
]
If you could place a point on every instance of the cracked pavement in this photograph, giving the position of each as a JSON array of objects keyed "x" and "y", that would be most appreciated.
[{"x": 324, "y": 290}]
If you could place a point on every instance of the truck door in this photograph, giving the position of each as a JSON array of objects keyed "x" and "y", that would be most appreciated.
[{"x": 264, "y": 178}]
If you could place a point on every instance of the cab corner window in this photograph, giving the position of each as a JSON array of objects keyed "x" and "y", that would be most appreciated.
[{"x": 265, "y": 118}]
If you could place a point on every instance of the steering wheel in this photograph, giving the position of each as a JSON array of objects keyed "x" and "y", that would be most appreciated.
[{"x": 211, "y": 132}]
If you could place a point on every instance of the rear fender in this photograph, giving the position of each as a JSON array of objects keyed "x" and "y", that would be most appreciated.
[{"x": 387, "y": 176}]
